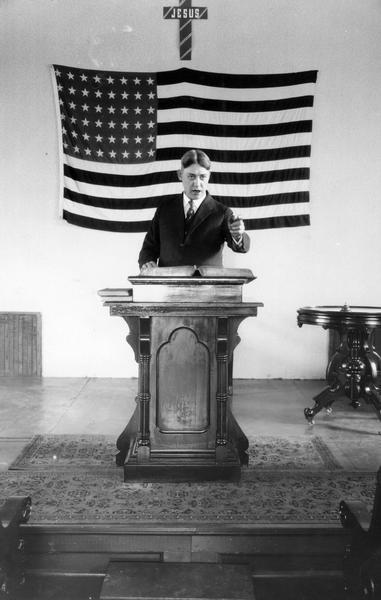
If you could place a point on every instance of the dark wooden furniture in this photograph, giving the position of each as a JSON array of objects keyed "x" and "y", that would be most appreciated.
[
  {"x": 354, "y": 369},
  {"x": 14, "y": 512},
  {"x": 183, "y": 331},
  {"x": 362, "y": 560}
]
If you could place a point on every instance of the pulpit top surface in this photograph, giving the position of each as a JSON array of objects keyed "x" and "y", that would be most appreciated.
[
  {"x": 182, "y": 309},
  {"x": 183, "y": 285},
  {"x": 193, "y": 275}
]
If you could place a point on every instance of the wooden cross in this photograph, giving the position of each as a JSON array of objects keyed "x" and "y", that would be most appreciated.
[{"x": 185, "y": 13}]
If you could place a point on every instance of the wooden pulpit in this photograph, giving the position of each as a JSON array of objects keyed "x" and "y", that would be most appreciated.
[{"x": 183, "y": 330}]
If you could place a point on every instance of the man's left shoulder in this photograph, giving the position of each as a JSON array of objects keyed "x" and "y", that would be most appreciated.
[{"x": 218, "y": 205}]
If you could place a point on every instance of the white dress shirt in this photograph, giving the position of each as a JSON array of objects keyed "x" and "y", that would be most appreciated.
[{"x": 196, "y": 203}]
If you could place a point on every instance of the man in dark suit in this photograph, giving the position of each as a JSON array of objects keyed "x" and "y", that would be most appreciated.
[{"x": 192, "y": 229}]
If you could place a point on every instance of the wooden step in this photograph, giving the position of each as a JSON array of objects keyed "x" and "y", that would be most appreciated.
[
  {"x": 177, "y": 581},
  {"x": 60, "y": 586},
  {"x": 296, "y": 585},
  {"x": 276, "y": 547},
  {"x": 293, "y": 585}
]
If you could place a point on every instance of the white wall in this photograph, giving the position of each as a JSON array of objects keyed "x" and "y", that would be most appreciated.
[{"x": 56, "y": 268}]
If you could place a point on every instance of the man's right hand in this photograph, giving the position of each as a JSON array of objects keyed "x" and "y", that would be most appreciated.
[{"x": 147, "y": 266}]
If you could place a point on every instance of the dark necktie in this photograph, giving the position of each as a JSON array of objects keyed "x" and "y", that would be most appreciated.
[
  {"x": 190, "y": 211},
  {"x": 189, "y": 216}
]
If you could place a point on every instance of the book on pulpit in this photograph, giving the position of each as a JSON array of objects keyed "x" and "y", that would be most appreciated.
[
  {"x": 198, "y": 271},
  {"x": 116, "y": 294}
]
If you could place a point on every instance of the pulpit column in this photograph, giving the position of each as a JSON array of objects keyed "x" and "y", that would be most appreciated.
[
  {"x": 222, "y": 387},
  {"x": 144, "y": 395}
]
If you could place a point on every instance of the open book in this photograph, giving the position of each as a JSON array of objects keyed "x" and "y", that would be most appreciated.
[{"x": 201, "y": 271}]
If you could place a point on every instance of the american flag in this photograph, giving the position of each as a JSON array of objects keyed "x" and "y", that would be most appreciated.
[{"x": 122, "y": 136}]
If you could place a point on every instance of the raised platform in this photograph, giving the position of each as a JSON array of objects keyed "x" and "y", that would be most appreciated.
[
  {"x": 282, "y": 522},
  {"x": 296, "y": 562}
]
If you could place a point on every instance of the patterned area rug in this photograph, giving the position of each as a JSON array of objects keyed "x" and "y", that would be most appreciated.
[
  {"x": 97, "y": 452},
  {"x": 261, "y": 496},
  {"x": 73, "y": 479}
]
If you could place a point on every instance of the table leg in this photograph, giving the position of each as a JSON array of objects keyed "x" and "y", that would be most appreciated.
[
  {"x": 323, "y": 400},
  {"x": 371, "y": 387},
  {"x": 353, "y": 370},
  {"x": 327, "y": 396},
  {"x": 372, "y": 394}
]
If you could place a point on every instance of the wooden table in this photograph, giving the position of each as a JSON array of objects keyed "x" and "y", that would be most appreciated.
[{"x": 354, "y": 368}]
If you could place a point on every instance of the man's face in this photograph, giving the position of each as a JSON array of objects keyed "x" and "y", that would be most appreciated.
[{"x": 195, "y": 180}]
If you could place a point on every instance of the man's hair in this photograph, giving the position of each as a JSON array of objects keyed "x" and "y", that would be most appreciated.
[{"x": 195, "y": 157}]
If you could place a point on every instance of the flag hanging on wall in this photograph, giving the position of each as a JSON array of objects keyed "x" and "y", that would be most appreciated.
[{"x": 122, "y": 136}]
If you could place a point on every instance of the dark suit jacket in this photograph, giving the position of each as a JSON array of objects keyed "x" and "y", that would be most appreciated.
[{"x": 204, "y": 242}]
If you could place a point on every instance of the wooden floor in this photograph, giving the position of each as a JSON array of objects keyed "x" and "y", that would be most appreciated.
[{"x": 30, "y": 406}]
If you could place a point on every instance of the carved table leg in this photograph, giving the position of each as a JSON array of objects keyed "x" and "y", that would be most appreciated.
[
  {"x": 323, "y": 400},
  {"x": 373, "y": 395},
  {"x": 371, "y": 387},
  {"x": 327, "y": 396},
  {"x": 354, "y": 368}
]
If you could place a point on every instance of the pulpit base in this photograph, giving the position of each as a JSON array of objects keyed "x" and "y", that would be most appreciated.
[
  {"x": 222, "y": 463},
  {"x": 169, "y": 467}
]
